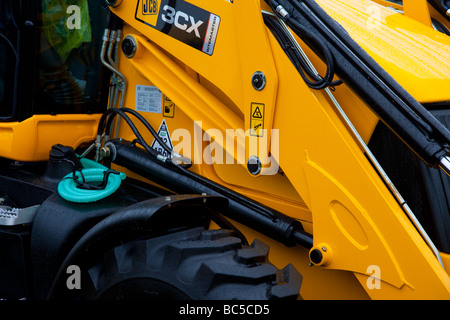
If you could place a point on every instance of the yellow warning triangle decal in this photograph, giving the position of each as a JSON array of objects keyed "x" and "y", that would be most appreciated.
[{"x": 257, "y": 113}]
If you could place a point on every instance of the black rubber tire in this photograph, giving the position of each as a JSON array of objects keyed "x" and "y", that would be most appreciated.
[{"x": 195, "y": 264}]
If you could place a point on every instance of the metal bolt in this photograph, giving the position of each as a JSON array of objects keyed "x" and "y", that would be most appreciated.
[
  {"x": 254, "y": 165},
  {"x": 113, "y": 3},
  {"x": 129, "y": 46},
  {"x": 324, "y": 249},
  {"x": 258, "y": 80},
  {"x": 316, "y": 256},
  {"x": 104, "y": 153}
]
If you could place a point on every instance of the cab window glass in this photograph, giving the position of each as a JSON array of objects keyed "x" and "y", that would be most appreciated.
[
  {"x": 69, "y": 68},
  {"x": 7, "y": 60}
]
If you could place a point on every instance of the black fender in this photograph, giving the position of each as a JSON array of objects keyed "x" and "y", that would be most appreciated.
[
  {"x": 57, "y": 226},
  {"x": 149, "y": 218}
]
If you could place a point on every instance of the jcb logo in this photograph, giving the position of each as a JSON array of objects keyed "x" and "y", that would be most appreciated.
[
  {"x": 149, "y": 7},
  {"x": 181, "y": 20}
]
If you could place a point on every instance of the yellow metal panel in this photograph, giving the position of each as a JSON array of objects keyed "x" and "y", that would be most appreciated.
[
  {"x": 32, "y": 139},
  {"x": 325, "y": 179},
  {"x": 415, "y": 55},
  {"x": 418, "y": 10}
]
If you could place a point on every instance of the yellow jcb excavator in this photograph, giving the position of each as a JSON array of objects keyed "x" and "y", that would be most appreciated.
[{"x": 224, "y": 149}]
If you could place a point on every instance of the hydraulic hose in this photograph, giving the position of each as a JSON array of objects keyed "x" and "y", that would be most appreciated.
[
  {"x": 442, "y": 6},
  {"x": 318, "y": 82},
  {"x": 408, "y": 119},
  {"x": 105, "y": 124},
  {"x": 240, "y": 208}
]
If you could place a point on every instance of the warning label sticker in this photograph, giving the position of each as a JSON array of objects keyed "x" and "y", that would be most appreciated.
[
  {"x": 168, "y": 107},
  {"x": 148, "y": 99},
  {"x": 163, "y": 133},
  {"x": 257, "y": 119}
]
